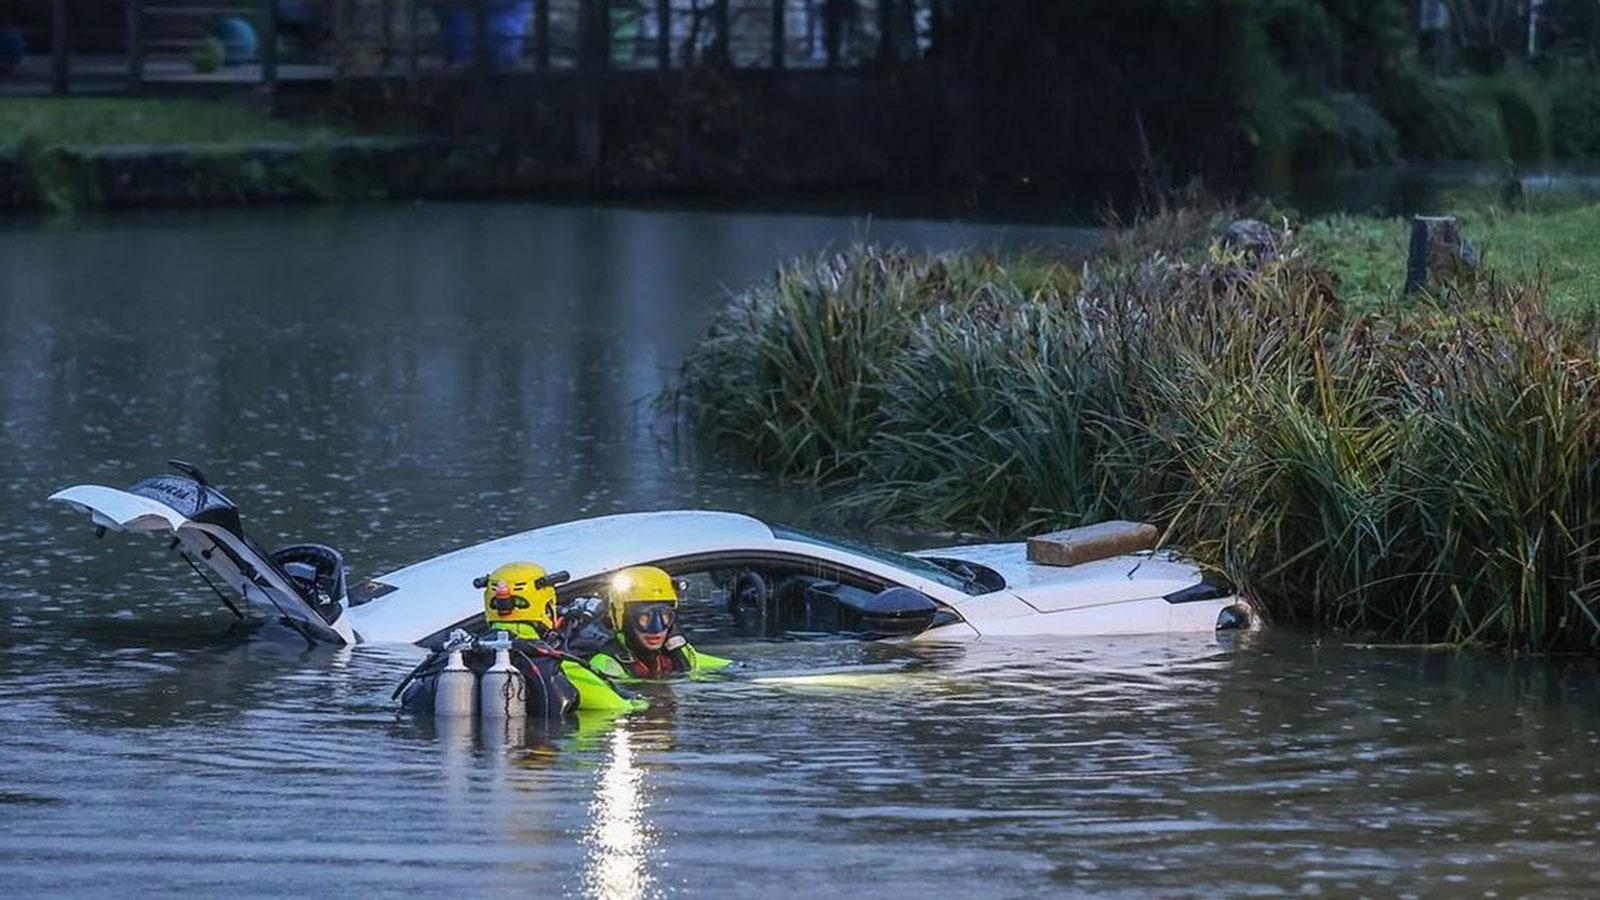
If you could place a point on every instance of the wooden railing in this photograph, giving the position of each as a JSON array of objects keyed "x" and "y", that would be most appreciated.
[{"x": 424, "y": 38}]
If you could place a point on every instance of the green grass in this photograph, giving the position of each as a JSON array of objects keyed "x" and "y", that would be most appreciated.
[
  {"x": 1561, "y": 248},
  {"x": 107, "y": 122},
  {"x": 1557, "y": 247},
  {"x": 1366, "y": 254}
]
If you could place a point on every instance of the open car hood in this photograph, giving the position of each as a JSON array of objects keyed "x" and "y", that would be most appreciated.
[{"x": 205, "y": 527}]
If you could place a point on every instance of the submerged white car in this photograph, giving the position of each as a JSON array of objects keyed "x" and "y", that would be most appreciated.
[{"x": 770, "y": 580}]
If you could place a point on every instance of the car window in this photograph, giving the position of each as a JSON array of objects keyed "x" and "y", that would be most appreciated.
[
  {"x": 729, "y": 596},
  {"x": 913, "y": 564},
  {"x": 767, "y": 598}
]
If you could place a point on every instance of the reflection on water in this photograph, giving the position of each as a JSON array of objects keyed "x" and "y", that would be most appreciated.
[
  {"x": 618, "y": 841},
  {"x": 393, "y": 380},
  {"x": 400, "y": 380}
]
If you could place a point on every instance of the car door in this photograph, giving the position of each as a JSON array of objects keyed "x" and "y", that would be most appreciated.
[{"x": 196, "y": 517}]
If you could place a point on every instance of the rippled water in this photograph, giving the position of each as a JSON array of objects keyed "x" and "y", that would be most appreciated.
[{"x": 401, "y": 380}]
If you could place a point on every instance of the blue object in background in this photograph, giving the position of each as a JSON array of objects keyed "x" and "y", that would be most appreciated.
[
  {"x": 238, "y": 39},
  {"x": 11, "y": 47},
  {"x": 505, "y": 25}
]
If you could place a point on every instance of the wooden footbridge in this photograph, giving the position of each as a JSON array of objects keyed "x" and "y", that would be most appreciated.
[{"x": 149, "y": 46}]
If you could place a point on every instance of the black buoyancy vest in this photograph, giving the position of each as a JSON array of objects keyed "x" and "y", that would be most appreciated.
[{"x": 550, "y": 694}]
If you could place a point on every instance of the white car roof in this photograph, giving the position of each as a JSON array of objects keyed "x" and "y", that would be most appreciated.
[{"x": 432, "y": 594}]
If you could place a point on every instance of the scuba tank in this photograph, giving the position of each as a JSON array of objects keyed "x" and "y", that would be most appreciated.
[
  {"x": 455, "y": 687},
  {"x": 443, "y": 684},
  {"x": 502, "y": 692}
]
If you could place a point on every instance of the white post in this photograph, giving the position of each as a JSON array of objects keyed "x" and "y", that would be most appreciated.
[{"x": 1533, "y": 26}]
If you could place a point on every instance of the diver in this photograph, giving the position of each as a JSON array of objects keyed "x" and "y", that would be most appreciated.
[
  {"x": 645, "y": 641},
  {"x": 520, "y": 599}
]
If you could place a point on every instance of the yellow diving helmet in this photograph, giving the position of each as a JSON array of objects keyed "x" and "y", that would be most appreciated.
[
  {"x": 641, "y": 584},
  {"x": 520, "y": 596}
]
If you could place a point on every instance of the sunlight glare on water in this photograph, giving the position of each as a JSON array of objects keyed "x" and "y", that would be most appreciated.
[{"x": 616, "y": 858}]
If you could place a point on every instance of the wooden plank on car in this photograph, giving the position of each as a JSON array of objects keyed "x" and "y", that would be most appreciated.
[{"x": 1091, "y": 542}]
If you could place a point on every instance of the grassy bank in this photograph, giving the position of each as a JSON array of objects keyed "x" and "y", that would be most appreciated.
[
  {"x": 1423, "y": 470},
  {"x": 98, "y": 122},
  {"x": 63, "y": 155}
]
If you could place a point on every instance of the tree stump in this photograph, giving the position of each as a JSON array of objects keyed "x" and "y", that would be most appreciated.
[{"x": 1438, "y": 253}]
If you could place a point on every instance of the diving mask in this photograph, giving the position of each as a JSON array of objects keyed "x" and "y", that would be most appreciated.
[{"x": 652, "y": 618}]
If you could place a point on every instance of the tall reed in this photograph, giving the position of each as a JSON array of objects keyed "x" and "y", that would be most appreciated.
[{"x": 1425, "y": 473}]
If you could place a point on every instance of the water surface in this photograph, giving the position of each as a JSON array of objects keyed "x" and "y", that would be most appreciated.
[{"x": 401, "y": 380}]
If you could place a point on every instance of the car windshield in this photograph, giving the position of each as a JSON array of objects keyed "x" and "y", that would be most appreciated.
[{"x": 909, "y": 563}]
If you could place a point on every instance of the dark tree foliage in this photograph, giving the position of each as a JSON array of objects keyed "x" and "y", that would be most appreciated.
[
  {"x": 1245, "y": 91},
  {"x": 1487, "y": 31},
  {"x": 1165, "y": 87},
  {"x": 1088, "y": 85}
]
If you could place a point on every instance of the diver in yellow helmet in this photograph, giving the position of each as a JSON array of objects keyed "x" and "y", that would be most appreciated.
[
  {"x": 645, "y": 641},
  {"x": 520, "y": 598}
]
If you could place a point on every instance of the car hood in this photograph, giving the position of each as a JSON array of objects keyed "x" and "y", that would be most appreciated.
[{"x": 1053, "y": 588}]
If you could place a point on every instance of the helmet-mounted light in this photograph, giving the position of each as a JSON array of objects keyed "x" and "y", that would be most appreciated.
[{"x": 635, "y": 585}]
